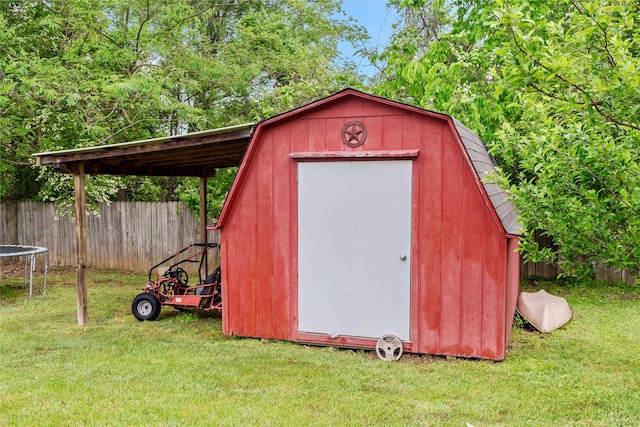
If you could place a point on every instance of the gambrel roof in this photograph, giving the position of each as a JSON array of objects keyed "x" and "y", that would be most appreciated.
[{"x": 483, "y": 163}]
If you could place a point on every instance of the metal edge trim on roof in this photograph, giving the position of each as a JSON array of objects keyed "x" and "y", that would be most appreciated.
[
  {"x": 210, "y": 132},
  {"x": 346, "y": 92},
  {"x": 498, "y": 197}
]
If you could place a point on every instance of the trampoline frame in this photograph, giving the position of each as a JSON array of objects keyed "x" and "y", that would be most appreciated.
[{"x": 29, "y": 253}]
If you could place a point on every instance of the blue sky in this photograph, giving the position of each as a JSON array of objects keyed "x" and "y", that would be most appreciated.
[{"x": 377, "y": 19}]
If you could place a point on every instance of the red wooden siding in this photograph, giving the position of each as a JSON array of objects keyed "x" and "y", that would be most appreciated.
[
  {"x": 493, "y": 291},
  {"x": 513, "y": 280},
  {"x": 265, "y": 242},
  {"x": 451, "y": 265},
  {"x": 463, "y": 279},
  {"x": 471, "y": 275},
  {"x": 282, "y": 237},
  {"x": 430, "y": 238}
]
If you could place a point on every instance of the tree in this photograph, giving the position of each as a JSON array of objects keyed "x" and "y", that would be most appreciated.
[
  {"x": 440, "y": 59},
  {"x": 283, "y": 57},
  {"x": 76, "y": 73},
  {"x": 553, "y": 91},
  {"x": 577, "y": 145}
]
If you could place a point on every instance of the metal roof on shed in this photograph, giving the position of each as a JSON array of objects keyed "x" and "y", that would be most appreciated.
[
  {"x": 193, "y": 154},
  {"x": 485, "y": 165}
]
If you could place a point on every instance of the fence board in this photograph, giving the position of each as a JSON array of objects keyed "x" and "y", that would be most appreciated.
[
  {"x": 125, "y": 235},
  {"x": 8, "y": 227}
]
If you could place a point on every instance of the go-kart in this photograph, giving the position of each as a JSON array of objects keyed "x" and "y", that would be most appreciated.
[{"x": 171, "y": 286}]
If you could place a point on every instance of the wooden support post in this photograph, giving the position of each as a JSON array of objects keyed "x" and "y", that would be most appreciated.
[
  {"x": 81, "y": 244},
  {"x": 203, "y": 209}
]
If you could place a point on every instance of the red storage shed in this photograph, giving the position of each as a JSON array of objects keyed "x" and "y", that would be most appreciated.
[{"x": 354, "y": 217}]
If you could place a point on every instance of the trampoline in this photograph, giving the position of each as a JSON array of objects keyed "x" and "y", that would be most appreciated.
[{"x": 29, "y": 253}]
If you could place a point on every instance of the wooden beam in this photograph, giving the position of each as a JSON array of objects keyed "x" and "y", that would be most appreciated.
[
  {"x": 203, "y": 209},
  {"x": 81, "y": 244},
  {"x": 195, "y": 161},
  {"x": 227, "y": 141}
]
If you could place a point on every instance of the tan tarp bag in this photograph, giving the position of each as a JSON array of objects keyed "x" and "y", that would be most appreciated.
[{"x": 544, "y": 311}]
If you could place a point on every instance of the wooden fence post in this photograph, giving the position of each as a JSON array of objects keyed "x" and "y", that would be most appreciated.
[
  {"x": 81, "y": 244},
  {"x": 203, "y": 209}
]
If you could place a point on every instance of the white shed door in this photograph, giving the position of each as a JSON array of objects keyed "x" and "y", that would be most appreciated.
[{"x": 354, "y": 247}]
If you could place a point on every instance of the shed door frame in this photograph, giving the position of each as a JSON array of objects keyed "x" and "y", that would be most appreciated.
[{"x": 394, "y": 310}]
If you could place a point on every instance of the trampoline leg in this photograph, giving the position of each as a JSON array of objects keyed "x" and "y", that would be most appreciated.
[
  {"x": 46, "y": 262},
  {"x": 25, "y": 272},
  {"x": 33, "y": 267}
]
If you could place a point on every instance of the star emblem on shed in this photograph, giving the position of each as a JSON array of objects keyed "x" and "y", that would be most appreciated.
[{"x": 354, "y": 134}]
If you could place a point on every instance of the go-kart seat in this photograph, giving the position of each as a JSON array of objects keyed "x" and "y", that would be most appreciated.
[
  {"x": 205, "y": 290},
  {"x": 214, "y": 277}
]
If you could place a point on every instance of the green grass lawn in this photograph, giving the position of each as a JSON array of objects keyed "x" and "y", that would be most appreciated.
[{"x": 181, "y": 370}]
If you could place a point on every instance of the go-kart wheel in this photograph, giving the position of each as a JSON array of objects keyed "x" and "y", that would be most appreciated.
[{"x": 146, "y": 307}]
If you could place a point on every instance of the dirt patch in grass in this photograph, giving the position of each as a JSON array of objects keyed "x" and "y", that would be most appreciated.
[
  {"x": 16, "y": 270},
  {"x": 7, "y": 270}
]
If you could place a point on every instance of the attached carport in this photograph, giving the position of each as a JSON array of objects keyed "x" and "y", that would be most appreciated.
[{"x": 197, "y": 154}]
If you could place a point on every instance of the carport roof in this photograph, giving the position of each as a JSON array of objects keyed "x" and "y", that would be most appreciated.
[{"x": 192, "y": 154}]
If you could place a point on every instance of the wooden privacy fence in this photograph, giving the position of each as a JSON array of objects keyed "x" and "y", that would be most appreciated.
[
  {"x": 551, "y": 271},
  {"x": 136, "y": 235},
  {"x": 125, "y": 235}
]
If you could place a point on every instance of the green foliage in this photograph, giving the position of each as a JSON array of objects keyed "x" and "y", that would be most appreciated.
[
  {"x": 76, "y": 73},
  {"x": 553, "y": 90},
  {"x": 577, "y": 147},
  {"x": 59, "y": 188},
  {"x": 217, "y": 189},
  {"x": 148, "y": 189},
  {"x": 440, "y": 59},
  {"x": 283, "y": 57}
]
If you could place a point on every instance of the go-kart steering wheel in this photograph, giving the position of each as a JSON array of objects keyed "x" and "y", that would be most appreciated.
[{"x": 181, "y": 276}]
